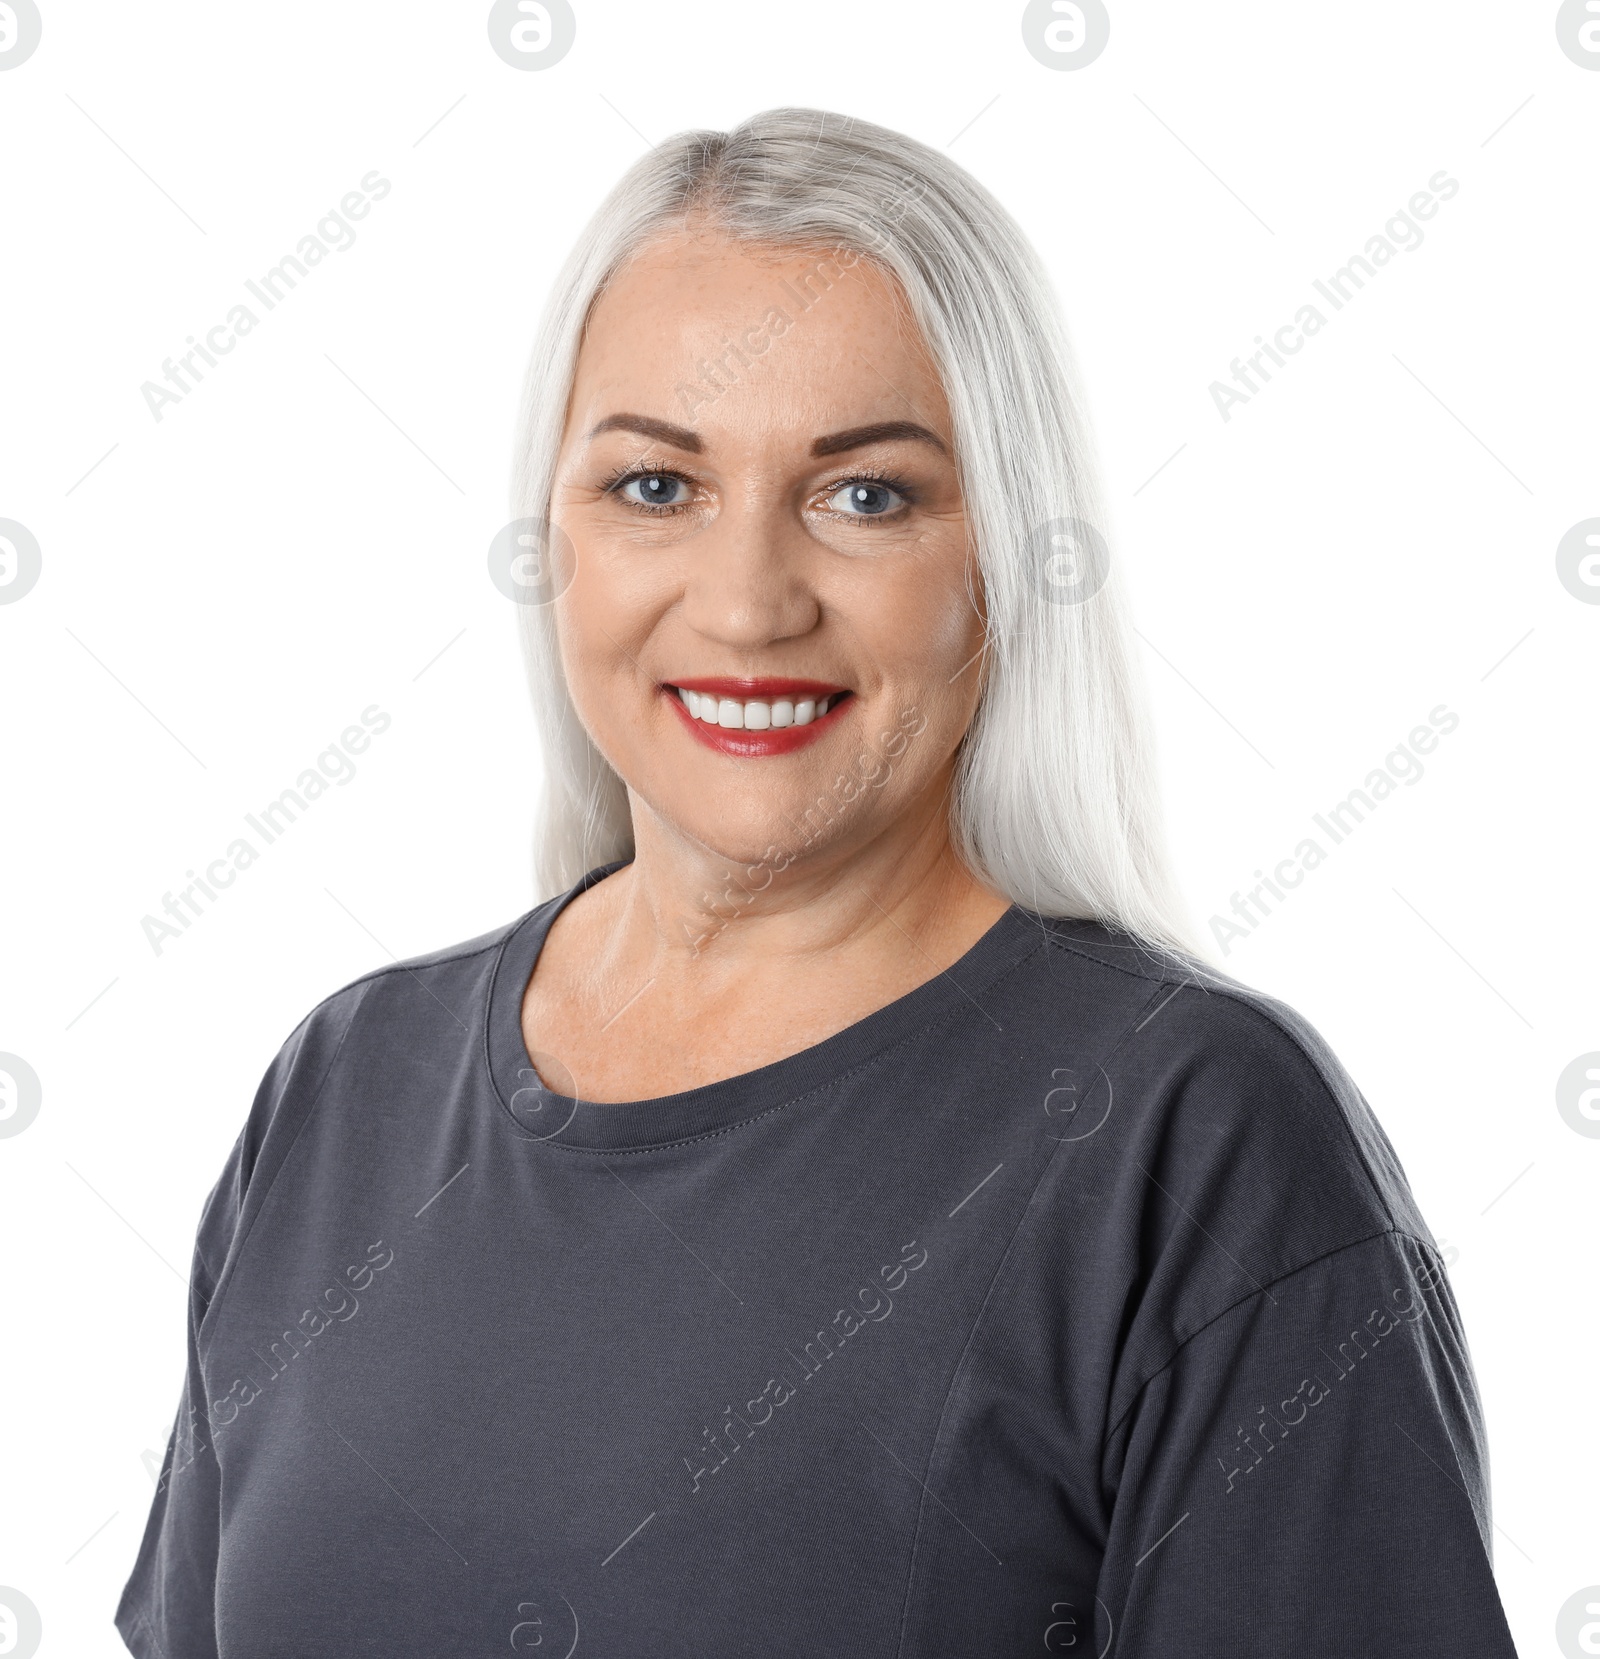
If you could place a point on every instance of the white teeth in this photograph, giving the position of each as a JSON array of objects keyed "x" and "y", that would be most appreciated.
[{"x": 754, "y": 715}]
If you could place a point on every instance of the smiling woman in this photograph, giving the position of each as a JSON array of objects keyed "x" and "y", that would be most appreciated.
[
  {"x": 799, "y": 563},
  {"x": 858, "y": 959}
]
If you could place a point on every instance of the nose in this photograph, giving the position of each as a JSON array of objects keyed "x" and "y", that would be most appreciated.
[{"x": 748, "y": 576}]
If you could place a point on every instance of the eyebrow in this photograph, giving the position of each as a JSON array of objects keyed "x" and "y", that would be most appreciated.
[
  {"x": 836, "y": 443},
  {"x": 881, "y": 432},
  {"x": 680, "y": 437}
]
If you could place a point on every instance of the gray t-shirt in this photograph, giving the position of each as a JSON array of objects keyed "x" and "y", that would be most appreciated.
[{"x": 1064, "y": 1304}]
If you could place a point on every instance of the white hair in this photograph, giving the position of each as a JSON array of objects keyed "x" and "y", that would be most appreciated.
[{"x": 1054, "y": 802}]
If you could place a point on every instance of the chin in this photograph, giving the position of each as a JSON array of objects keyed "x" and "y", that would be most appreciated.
[{"x": 759, "y": 839}]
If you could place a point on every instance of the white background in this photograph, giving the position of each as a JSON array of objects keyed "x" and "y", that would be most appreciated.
[{"x": 305, "y": 535}]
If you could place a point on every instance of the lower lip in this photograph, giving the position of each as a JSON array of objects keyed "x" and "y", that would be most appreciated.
[{"x": 776, "y": 740}]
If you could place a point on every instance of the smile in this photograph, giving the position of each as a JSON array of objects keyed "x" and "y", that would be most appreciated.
[{"x": 757, "y": 717}]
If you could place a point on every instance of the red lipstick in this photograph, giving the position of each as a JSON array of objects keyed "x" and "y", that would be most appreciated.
[
  {"x": 766, "y": 687},
  {"x": 744, "y": 743}
]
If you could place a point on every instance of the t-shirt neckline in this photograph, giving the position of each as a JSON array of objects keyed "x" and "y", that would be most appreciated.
[{"x": 541, "y": 1114}]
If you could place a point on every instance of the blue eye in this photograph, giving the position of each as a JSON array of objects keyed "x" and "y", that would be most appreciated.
[
  {"x": 865, "y": 498},
  {"x": 653, "y": 489}
]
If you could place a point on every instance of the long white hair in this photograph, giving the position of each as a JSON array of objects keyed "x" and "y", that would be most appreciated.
[{"x": 1054, "y": 802}]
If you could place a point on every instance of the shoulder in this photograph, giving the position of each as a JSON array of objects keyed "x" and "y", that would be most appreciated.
[
  {"x": 398, "y": 1016},
  {"x": 462, "y": 968},
  {"x": 394, "y": 1009},
  {"x": 1226, "y": 1106},
  {"x": 1217, "y": 1146}
]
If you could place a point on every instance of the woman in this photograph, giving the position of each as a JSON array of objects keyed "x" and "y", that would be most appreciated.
[{"x": 844, "y": 1219}]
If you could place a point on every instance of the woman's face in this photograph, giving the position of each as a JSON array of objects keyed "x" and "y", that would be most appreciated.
[{"x": 758, "y": 483}]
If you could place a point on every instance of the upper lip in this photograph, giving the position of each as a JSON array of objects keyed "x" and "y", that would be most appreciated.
[{"x": 758, "y": 687}]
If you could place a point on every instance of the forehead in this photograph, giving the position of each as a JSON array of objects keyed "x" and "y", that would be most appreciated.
[{"x": 739, "y": 340}]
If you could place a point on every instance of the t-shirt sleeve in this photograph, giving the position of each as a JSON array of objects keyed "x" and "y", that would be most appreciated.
[
  {"x": 167, "y": 1609},
  {"x": 1308, "y": 1476}
]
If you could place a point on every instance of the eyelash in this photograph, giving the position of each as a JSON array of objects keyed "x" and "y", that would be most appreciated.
[
  {"x": 871, "y": 475},
  {"x": 628, "y": 475}
]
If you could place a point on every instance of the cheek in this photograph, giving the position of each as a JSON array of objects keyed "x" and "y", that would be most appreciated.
[
  {"x": 924, "y": 629},
  {"x": 927, "y": 659},
  {"x": 605, "y": 612},
  {"x": 600, "y": 641}
]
